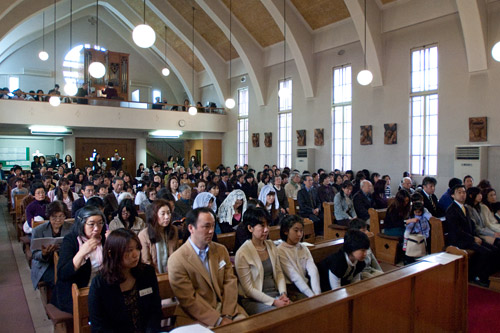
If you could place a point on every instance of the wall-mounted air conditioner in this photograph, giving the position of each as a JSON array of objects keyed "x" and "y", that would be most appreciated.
[
  {"x": 471, "y": 160},
  {"x": 305, "y": 160}
]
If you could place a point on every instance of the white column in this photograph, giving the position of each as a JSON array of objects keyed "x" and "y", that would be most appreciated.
[
  {"x": 69, "y": 147},
  {"x": 140, "y": 151}
]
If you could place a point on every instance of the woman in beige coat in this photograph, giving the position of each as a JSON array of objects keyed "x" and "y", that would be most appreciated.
[
  {"x": 160, "y": 238},
  {"x": 261, "y": 282}
]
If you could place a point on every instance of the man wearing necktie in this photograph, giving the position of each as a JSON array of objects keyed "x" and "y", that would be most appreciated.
[
  {"x": 430, "y": 199},
  {"x": 309, "y": 204},
  {"x": 461, "y": 233}
]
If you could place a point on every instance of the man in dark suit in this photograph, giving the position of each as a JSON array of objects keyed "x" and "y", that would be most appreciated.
[
  {"x": 56, "y": 161},
  {"x": 117, "y": 161},
  {"x": 111, "y": 200},
  {"x": 87, "y": 191},
  {"x": 363, "y": 200},
  {"x": 83, "y": 91},
  {"x": 309, "y": 204},
  {"x": 461, "y": 233},
  {"x": 430, "y": 199},
  {"x": 224, "y": 186}
]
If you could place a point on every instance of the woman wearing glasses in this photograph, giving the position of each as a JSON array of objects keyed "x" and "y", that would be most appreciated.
[{"x": 80, "y": 256}]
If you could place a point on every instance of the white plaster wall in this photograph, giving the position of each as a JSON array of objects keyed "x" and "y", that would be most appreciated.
[{"x": 461, "y": 95}]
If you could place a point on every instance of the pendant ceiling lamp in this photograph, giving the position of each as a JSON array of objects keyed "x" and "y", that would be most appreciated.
[
  {"x": 143, "y": 35},
  {"x": 192, "y": 110},
  {"x": 97, "y": 69},
  {"x": 365, "y": 77},
  {"x": 43, "y": 55},
  {"x": 284, "y": 91},
  {"x": 230, "y": 103},
  {"x": 495, "y": 51},
  {"x": 70, "y": 87},
  {"x": 54, "y": 100},
  {"x": 165, "y": 71}
]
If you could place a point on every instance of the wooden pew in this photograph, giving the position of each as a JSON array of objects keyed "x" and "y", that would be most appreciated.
[
  {"x": 386, "y": 247},
  {"x": 323, "y": 249},
  {"x": 292, "y": 206},
  {"x": 437, "y": 235},
  {"x": 309, "y": 235},
  {"x": 428, "y": 296},
  {"x": 228, "y": 240},
  {"x": 274, "y": 232},
  {"x": 331, "y": 229}
]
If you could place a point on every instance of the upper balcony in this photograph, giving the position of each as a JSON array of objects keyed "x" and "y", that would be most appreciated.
[{"x": 101, "y": 113}]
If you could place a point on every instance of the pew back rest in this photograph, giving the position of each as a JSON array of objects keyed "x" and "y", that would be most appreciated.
[
  {"x": 228, "y": 240},
  {"x": 274, "y": 232},
  {"x": 292, "y": 206},
  {"x": 166, "y": 293},
  {"x": 18, "y": 200},
  {"x": 323, "y": 249},
  {"x": 309, "y": 235},
  {"x": 437, "y": 235},
  {"x": 376, "y": 216},
  {"x": 80, "y": 309}
]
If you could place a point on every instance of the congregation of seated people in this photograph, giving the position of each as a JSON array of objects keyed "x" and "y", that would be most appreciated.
[{"x": 166, "y": 219}]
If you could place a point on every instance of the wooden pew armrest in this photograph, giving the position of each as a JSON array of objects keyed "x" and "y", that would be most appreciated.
[
  {"x": 57, "y": 316},
  {"x": 384, "y": 236},
  {"x": 337, "y": 227}
]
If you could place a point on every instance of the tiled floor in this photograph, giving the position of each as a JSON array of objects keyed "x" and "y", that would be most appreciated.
[{"x": 21, "y": 308}]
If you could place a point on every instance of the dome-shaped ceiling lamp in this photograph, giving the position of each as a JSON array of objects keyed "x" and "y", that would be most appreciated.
[
  {"x": 43, "y": 55},
  {"x": 55, "y": 100},
  {"x": 165, "y": 71},
  {"x": 230, "y": 103},
  {"x": 495, "y": 51},
  {"x": 284, "y": 91},
  {"x": 70, "y": 87},
  {"x": 192, "y": 110},
  {"x": 365, "y": 77},
  {"x": 143, "y": 35},
  {"x": 96, "y": 68}
]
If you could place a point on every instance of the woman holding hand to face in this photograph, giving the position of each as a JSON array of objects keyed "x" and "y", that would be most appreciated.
[{"x": 80, "y": 256}]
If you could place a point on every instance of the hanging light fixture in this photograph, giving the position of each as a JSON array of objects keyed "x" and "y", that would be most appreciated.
[
  {"x": 284, "y": 91},
  {"x": 43, "y": 55},
  {"x": 55, "y": 100},
  {"x": 96, "y": 68},
  {"x": 365, "y": 77},
  {"x": 165, "y": 71},
  {"x": 192, "y": 110},
  {"x": 70, "y": 87},
  {"x": 495, "y": 51},
  {"x": 230, "y": 103},
  {"x": 143, "y": 35}
]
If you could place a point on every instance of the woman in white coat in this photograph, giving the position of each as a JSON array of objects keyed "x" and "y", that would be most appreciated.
[{"x": 261, "y": 282}]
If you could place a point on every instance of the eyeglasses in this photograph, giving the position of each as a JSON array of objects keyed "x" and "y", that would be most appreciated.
[{"x": 93, "y": 225}]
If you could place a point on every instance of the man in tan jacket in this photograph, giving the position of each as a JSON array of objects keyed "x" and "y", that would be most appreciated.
[{"x": 202, "y": 277}]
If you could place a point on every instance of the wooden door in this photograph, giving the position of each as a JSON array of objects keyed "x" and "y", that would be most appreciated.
[{"x": 106, "y": 147}]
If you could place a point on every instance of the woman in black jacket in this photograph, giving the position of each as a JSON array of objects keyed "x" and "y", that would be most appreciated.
[
  {"x": 124, "y": 297},
  {"x": 80, "y": 256}
]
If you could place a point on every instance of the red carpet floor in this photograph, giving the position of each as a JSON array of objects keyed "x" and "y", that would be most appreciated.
[{"x": 484, "y": 310}]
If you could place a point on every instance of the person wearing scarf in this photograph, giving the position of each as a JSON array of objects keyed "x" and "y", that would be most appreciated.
[{"x": 231, "y": 211}]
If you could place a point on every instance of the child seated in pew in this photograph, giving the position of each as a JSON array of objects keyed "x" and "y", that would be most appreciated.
[
  {"x": 372, "y": 267},
  {"x": 345, "y": 266},
  {"x": 296, "y": 260},
  {"x": 418, "y": 223},
  {"x": 124, "y": 297},
  {"x": 19, "y": 189}
]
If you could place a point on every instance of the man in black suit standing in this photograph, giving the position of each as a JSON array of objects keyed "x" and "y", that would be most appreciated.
[
  {"x": 309, "y": 204},
  {"x": 117, "y": 161},
  {"x": 461, "y": 233},
  {"x": 363, "y": 200},
  {"x": 87, "y": 191},
  {"x": 56, "y": 161},
  {"x": 111, "y": 200},
  {"x": 224, "y": 187},
  {"x": 430, "y": 199}
]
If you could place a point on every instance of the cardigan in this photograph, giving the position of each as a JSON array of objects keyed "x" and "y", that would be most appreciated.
[
  {"x": 107, "y": 310},
  {"x": 251, "y": 272},
  {"x": 297, "y": 263},
  {"x": 36, "y": 208},
  {"x": 343, "y": 208},
  {"x": 148, "y": 252},
  {"x": 39, "y": 263},
  {"x": 137, "y": 227}
]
